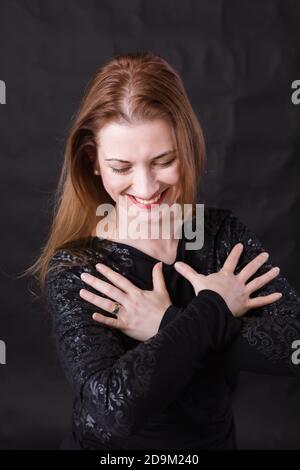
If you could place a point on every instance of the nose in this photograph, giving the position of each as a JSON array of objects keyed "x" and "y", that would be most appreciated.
[{"x": 144, "y": 185}]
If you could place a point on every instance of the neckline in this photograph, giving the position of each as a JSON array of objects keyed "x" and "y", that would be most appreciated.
[{"x": 140, "y": 253}]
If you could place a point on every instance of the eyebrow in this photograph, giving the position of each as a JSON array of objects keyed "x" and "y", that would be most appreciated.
[{"x": 155, "y": 158}]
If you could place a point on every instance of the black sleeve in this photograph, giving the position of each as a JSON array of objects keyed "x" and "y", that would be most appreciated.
[
  {"x": 122, "y": 388},
  {"x": 266, "y": 343},
  {"x": 169, "y": 315}
]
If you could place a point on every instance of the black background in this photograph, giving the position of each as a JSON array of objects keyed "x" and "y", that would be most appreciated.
[{"x": 238, "y": 59}]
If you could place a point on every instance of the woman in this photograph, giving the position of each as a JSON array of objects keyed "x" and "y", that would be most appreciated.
[{"x": 151, "y": 347}]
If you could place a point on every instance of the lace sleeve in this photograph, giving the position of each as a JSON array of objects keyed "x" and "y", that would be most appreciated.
[
  {"x": 122, "y": 388},
  {"x": 266, "y": 342}
]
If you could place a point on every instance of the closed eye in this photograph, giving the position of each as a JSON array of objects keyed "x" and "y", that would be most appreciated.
[{"x": 124, "y": 170}]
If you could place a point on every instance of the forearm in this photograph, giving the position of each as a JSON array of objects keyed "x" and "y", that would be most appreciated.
[{"x": 146, "y": 377}]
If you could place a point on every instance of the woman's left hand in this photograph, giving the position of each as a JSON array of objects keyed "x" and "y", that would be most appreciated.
[{"x": 141, "y": 311}]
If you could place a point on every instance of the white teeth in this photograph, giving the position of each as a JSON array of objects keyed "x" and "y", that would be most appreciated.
[{"x": 151, "y": 201}]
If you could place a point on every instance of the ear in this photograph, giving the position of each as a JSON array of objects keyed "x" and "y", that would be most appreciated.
[{"x": 95, "y": 165}]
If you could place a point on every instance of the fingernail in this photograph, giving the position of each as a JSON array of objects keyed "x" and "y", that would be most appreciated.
[
  {"x": 84, "y": 276},
  {"x": 178, "y": 264}
]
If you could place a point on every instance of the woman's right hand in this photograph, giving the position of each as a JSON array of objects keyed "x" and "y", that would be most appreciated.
[{"x": 231, "y": 287}]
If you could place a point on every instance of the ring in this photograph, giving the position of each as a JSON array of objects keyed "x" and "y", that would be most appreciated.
[{"x": 116, "y": 308}]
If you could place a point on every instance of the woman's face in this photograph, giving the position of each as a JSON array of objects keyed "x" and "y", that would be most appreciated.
[{"x": 139, "y": 161}]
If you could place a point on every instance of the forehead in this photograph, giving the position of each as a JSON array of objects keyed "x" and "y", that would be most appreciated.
[{"x": 129, "y": 141}]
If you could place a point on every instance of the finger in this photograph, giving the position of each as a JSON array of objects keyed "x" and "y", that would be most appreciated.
[
  {"x": 253, "y": 266},
  {"x": 233, "y": 258},
  {"x": 114, "y": 322},
  {"x": 186, "y": 271},
  {"x": 104, "y": 287},
  {"x": 264, "y": 300},
  {"x": 101, "y": 302},
  {"x": 115, "y": 278},
  {"x": 260, "y": 281},
  {"x": 158, "y": 277}
]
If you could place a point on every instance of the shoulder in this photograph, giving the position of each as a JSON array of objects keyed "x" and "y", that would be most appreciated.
[
  {"x": 71, "y": 260},
  {"x": 215, "y": 216},
  {"x": 225, "y": 227},
  {"x": 68, "y": 262},
  {"x": 228, "y": 228},
  {"x": 63, "y": 274},
  {"x": 215, "y": 219},
  {"x": 79, "y": 253},
  {"x": 210, "y": 221}
]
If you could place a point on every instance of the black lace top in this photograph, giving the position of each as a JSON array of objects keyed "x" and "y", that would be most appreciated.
[{"x": 174, "y": 390}]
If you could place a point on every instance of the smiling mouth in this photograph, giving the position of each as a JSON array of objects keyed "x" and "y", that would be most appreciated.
[{"x": 151, "y": 202}]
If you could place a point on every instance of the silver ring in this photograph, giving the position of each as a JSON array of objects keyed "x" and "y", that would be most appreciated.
[{"x": 116, "y": 308}]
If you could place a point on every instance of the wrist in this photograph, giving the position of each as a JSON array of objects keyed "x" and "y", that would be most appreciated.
[{"x": 169, "y": 314}]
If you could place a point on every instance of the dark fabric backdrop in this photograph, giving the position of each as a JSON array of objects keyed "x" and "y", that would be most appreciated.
[{"x": 238, "y": 59}]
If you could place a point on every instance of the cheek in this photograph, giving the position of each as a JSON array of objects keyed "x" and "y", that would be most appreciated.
[
  {"x": 105, "y": 180},
  {"x": 172, "y": 176},
  {"x": 112, "y": 183}
]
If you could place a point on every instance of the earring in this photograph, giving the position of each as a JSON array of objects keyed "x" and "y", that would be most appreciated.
[{"x": 96, "y": 172}]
